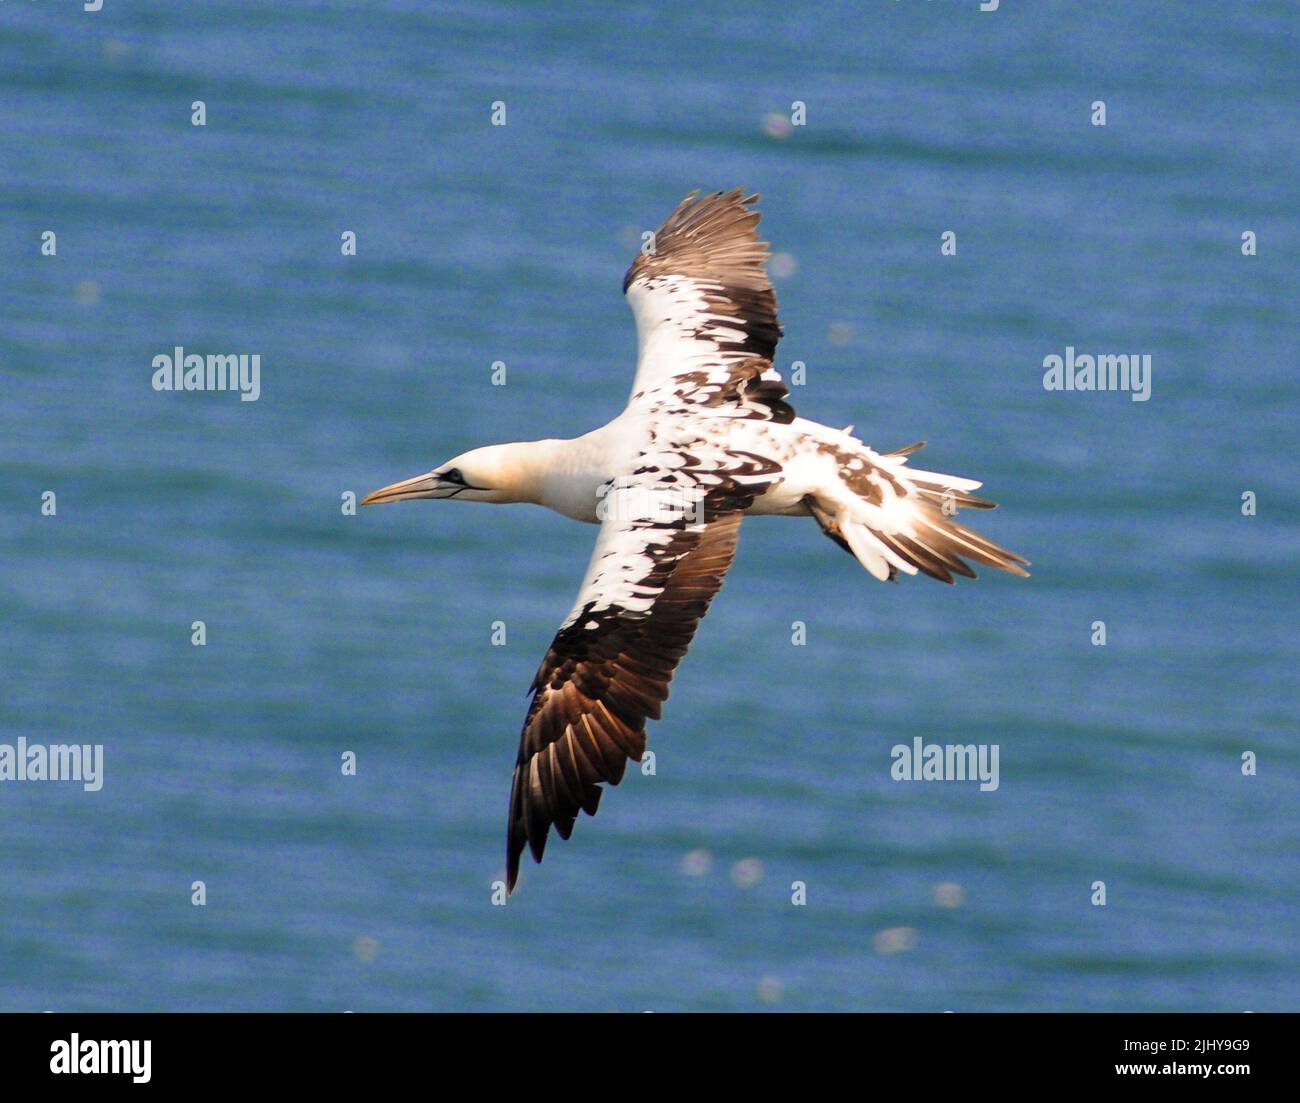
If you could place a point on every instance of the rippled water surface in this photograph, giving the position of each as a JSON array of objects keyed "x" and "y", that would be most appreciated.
[{"x": 328, "y": 633}]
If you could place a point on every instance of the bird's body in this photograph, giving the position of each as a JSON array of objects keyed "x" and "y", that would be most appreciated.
[
  {"x": 569, "y": 474},
  {"x": 707, "y": 438}
]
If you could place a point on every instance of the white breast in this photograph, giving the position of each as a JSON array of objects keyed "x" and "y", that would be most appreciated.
[{"x": 574, "y": 478}]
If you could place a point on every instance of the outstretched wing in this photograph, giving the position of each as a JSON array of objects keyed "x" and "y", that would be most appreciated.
[
  {"x": 668, "y": 536},
  {"x": 707, "y": 326},
  {"x": 700, "y": 293}
]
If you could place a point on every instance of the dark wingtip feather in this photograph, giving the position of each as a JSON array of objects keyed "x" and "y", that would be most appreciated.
[{"x": 907, "y": 449}]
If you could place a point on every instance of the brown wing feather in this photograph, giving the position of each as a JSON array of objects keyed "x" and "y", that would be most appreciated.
[
  {"x": 715, "y": 239},
  {"x": 749, "y": 388},
  {"x": 597, "y": 687}
]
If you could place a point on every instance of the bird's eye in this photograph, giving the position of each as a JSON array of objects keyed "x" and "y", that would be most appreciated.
[{"x": 453, "y": 476}]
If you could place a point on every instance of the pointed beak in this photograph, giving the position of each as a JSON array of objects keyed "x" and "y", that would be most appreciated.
[{"x": 421, "y": 486}]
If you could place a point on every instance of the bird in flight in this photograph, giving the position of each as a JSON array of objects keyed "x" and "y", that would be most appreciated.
[{"x": 708, "y": 436}]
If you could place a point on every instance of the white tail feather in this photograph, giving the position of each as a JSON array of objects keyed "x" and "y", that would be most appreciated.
[
  {"x": 866, "y": 548},
  {"x": 898, "y": 519}
]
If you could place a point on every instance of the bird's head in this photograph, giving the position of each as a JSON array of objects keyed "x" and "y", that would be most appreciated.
[{"x": 490, "y": 474}]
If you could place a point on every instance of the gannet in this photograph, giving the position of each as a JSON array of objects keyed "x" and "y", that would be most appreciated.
[{"x": 708, "y": 437}]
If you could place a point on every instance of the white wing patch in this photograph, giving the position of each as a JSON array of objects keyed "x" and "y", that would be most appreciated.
[
  {"x": 675, "y": 490},
  {"x": 679, "y": 332}
]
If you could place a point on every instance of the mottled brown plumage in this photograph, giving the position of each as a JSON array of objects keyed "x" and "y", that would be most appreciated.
[{"x": 596, "y": 688}]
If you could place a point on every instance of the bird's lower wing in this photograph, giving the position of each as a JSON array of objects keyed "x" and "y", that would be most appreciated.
[{"x": 668, "y": 536}]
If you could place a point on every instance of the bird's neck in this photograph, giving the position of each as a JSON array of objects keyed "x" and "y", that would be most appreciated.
[
  {"x": 563, "y": 475},
  {"x": 526, "y": 468}
]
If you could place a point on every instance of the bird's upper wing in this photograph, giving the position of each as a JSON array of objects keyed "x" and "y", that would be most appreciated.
[
  {"x": 667, "y": 538},
  {"x": 700, "y": 293}
]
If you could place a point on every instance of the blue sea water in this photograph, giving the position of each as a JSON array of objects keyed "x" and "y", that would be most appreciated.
[{"x": 328, "y": 633}]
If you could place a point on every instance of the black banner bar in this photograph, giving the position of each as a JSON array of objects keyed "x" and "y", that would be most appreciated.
[{"x": 212, "y": 1051}]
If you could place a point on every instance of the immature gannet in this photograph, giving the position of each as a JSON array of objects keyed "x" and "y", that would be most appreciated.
[{"x": 707, "y": 437}]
